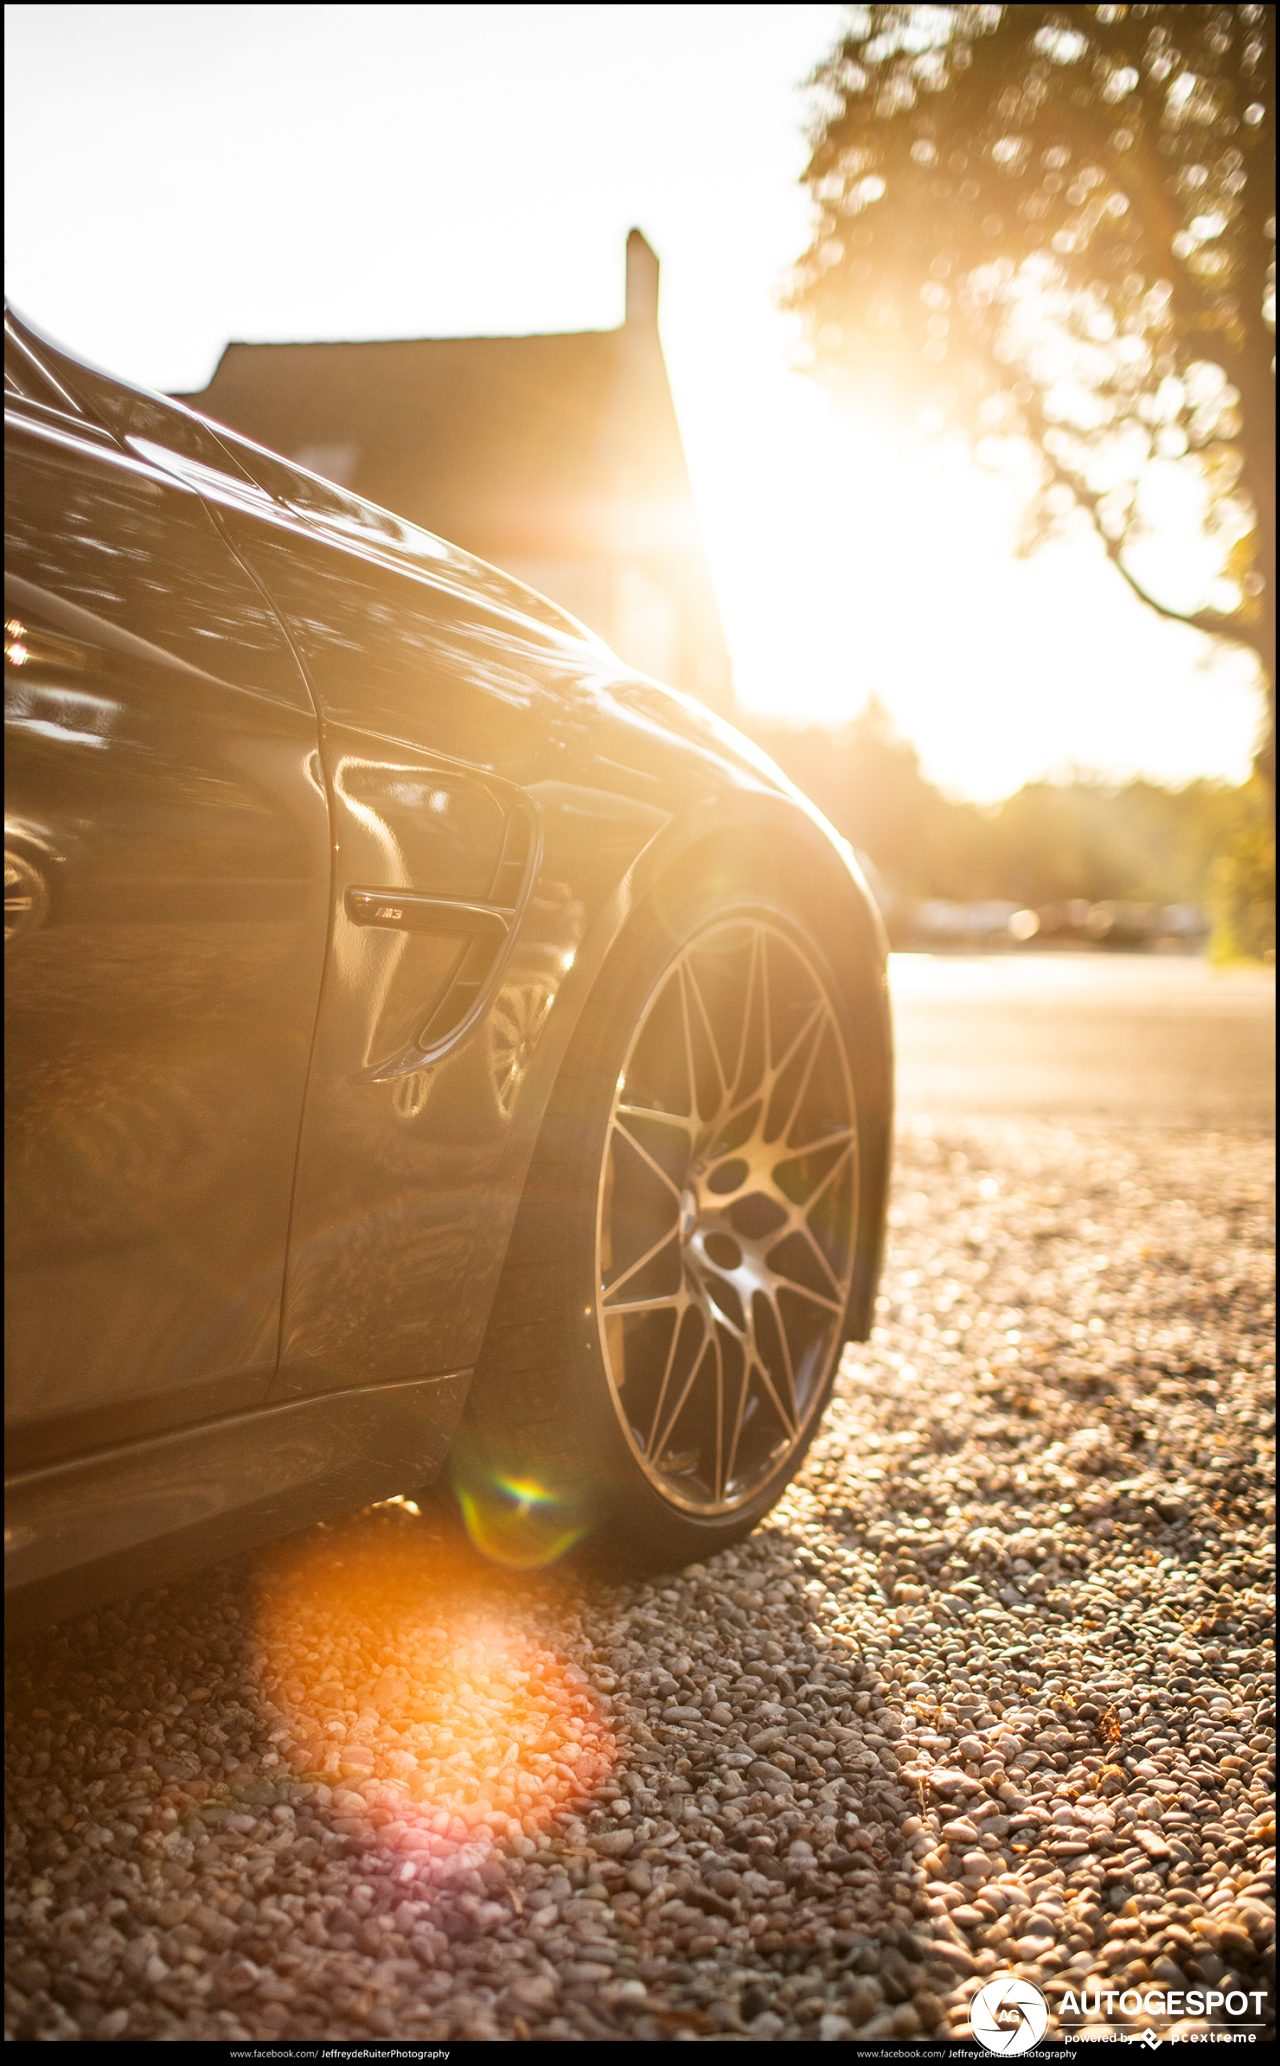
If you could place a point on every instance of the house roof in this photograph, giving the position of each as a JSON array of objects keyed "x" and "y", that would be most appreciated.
[
  {"x": 536, "y": 445},
  {"x": 500, "y": 435},
  {"x": 515, "y": 448}
]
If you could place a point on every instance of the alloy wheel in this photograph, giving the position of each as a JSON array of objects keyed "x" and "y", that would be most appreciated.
[{"x": 726, "y": 1215}]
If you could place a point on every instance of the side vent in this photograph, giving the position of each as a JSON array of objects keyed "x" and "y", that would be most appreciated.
[
  {"x": 517, "y": 846},
  {"x": 508, "y": 892}
]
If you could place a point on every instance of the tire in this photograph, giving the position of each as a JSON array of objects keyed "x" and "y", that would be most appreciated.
[{"x": 673, "y": 1304}]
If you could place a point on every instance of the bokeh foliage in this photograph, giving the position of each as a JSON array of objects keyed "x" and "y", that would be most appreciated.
[
  {"x": 1056, "y": 225},
  {"x": 1242, "y": 892},
  {"x": 1207, "y": 843}
]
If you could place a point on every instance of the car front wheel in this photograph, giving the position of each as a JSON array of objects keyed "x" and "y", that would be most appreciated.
[{"x": 673, "y": 1304}]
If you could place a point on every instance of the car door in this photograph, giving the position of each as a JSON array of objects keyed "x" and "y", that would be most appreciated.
[
  {"x": 435, "y": 855},
  {"x": 167, "y": 878}
]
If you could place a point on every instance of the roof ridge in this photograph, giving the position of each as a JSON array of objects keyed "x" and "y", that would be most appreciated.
[{"x": 346, "y": 343}]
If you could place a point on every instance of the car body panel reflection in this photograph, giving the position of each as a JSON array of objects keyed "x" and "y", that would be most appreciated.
[
  {"x": 78, "y": 1532},
  {"x": 161, "y": 779}
]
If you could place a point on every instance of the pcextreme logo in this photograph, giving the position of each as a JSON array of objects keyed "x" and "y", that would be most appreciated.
[{"x": 1008, "y": 2015}]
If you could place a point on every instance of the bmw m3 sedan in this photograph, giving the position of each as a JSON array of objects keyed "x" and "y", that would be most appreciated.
[{"x": 430, "y": 1045}]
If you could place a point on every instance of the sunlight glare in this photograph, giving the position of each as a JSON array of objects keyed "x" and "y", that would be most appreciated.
[
  {"x": 891, "y": 570},
  {"x": 411, "y": 1690}
]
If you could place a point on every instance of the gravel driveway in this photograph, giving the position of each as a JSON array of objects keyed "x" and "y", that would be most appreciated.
[{"x": 991, "y": 1690}]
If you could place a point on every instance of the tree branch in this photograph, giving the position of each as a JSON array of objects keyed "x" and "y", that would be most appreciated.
[{"x": 1214, "y": 622}]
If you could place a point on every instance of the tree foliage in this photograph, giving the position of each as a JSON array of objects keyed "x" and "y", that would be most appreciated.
[
  {"x": 1050, "y": 842},
  {"x": 1056, "y": 224}
]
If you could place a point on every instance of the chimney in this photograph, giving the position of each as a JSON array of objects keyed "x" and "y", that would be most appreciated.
[{"x": 642, "y": 284}]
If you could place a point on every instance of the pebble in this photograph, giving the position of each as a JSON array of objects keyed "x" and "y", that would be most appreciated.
[{"x": 987, "y": 1691}]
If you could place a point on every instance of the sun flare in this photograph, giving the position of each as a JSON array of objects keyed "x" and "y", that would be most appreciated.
[{"x": 403, "y": 1680}]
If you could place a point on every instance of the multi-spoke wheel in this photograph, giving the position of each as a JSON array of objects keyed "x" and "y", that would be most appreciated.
[
  {"x": 725, "y": 1216},
  {"x": 678, "y": 1283}
]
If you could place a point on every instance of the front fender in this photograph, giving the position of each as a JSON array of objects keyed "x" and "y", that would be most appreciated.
[{"x": 717, "y": 837}]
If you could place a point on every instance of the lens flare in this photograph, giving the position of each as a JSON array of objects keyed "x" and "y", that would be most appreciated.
[
  {"x": 409, "y": 1686},
  {"x": 515, "y": 1521}
]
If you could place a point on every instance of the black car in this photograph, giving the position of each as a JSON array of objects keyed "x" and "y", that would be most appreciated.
[{"x": 426, "y": 1039}]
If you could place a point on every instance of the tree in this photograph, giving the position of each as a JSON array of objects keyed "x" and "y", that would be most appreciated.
[
  {"x": 1208, "y": 843},
  {"x": 1056, "y": 224}
]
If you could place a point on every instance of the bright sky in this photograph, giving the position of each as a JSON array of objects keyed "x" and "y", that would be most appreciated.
[{"x": 180, "y": 175}]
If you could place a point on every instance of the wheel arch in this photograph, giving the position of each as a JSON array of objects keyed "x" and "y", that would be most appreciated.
[{"x": 770, "y": 839}]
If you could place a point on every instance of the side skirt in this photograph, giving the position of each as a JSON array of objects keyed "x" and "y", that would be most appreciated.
[{"x": 79, "y": 1533}]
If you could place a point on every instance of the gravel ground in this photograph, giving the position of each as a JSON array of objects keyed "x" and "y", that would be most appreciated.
[{"x": 990, "y": 1690}]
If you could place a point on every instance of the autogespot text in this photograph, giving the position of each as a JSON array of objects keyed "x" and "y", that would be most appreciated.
[{"x": 1159, "y": 2001}]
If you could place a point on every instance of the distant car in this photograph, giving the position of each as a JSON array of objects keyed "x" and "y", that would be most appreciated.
[{"x": 427, "y": 1041}]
